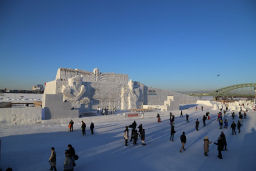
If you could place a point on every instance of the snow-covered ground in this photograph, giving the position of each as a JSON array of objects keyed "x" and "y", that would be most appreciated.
[{"x": 27, "y": 147}]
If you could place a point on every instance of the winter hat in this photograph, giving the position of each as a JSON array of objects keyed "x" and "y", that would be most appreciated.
[{"x": 206, "y": 138}]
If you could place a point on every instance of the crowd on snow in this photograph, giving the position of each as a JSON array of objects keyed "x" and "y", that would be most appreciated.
[{"x": 71, "y": 156}]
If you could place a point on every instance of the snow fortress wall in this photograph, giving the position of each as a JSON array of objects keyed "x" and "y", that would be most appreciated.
[
  {"x": 26, "y": 115},
  {"x": 76, "y": 92}
]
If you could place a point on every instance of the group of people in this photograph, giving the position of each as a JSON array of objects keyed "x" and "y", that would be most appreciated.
[
  {"x": 69, "y": 162},
  {"x": 83, "y": 127},
  {"x": 134, "y": 134}
]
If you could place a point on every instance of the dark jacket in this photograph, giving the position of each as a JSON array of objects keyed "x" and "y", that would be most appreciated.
[
  {"x": 233, "y": 125},
  {"x": 183, "y": 138},
  {"x": 92, "y": 126}
]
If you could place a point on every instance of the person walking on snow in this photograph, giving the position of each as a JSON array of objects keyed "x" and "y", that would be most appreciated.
[
  {"x": 206, "y": 145},
  {"x": 233, "y": 115},
  {"x": 224, "y": 141},
  {"x": 134, "y": 136},
  {"x": 204, "y": 119},
  {"x": 181, "y": 114},
  {"x": 70, "y": 125},
  {"x": 233, "y": 126},
  {"x": 202, "y": 108},
  {"x": 52, "y": 159},
  {"x": 221, "y": 123},
  {"x": 140, "y": 129},
  {"x": 126, "y": 136},
  {"x": 239, "y": 126},
  {"x": 69, "y": 162},
  {"x": 187, "y": 116},
  {"x": 83, "y": 126},
  {"x": 92, "y": 127},
  {"x": 158, "y": 118},
  {"x": 172, "y": 133},
  {"x": 197, "y": 124},
  {"x": 183, "y": 140},
  {"x": 142, "y": 136},
  {"x": 219, "y": 147},
  {"x": 226, "y": 123}
]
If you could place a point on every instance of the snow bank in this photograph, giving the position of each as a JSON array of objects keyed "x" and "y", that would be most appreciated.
[
  {"x": 20, "y": 116},
  {"x": 204, "y": 102},
  {"x": 20, "y": 97}
]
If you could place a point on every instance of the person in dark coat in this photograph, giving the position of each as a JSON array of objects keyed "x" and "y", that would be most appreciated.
[
  {"x": 71, "y": 152},
  {"x": 140, "y": 129},
  {"x": 71, "y": 123},
  {"x": 224, "y": 141},
  {"x": 202, "y": 108},
  {"x": 183, "y": 140},
  {"x": 69, "y": 162},
  {"x": 197, "y": 124},
  {"x": 158, "y": 118},
  {"x": 133, "y": 125},
  {"x": 219, "y": 147},
  {"x": 187, "y": 116},
  {"x": 233, "y": 126},
  {"x": 172, "y": 119},
  {"x": 172, "y": 133},
  {"x": 134, "y": 136},
  {"x": 239, "y": 126},
  {"x": 52, "y": 159},
  {"x": 233, "y": 115},
  {"x": 92, "y": 127},
  {"x": 83, "y": 126},
  {"x": 204, "y": 119},
  {"x": 142, "y": 136},
  {"x": 181, "y": 114}
]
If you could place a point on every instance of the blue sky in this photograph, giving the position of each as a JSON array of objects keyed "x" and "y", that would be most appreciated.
[{"x": 176, "y": 45}]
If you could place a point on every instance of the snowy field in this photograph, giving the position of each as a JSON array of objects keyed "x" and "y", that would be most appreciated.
[{"x": 27, "y": 147}]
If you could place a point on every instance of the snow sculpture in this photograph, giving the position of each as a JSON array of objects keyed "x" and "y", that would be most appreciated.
[
  {"x": 74, "y": 91},
  {"x": 130, "y": 96}
]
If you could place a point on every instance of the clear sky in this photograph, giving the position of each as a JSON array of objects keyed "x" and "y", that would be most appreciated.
[{"x": 172, "y": 44}]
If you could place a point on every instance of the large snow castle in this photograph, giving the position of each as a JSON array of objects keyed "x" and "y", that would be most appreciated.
[{"x": 75, "y": 92}]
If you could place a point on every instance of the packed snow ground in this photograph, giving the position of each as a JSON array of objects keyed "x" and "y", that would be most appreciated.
[{"x": 27, "y": 148}]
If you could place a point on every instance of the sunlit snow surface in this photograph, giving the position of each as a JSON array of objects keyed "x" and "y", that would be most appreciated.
[{"x": 27, "y": 148}]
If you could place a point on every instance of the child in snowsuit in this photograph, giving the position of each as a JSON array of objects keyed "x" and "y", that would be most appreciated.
[
  {"x": 126, "y": 136},
  {"x": 206, "y": 145}
]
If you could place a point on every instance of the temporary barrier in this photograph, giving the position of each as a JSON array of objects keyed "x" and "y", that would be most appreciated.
[{"x": 134, "y": 115}]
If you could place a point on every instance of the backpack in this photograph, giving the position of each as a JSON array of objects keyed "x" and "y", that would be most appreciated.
[{"x": 76, "y": 157}]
